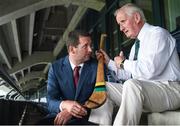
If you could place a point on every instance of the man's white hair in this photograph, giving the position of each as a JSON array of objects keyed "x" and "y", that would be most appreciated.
[{"x": 131, "y": 8}]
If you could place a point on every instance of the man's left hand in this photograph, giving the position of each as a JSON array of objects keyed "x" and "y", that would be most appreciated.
[{"x": 62, "y": 118}]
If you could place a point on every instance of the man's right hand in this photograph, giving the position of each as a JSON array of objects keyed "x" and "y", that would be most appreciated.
[
  {"x": 74, "y": 108},
  {"x": 103, "y": 53},
  {"x": 119, "y": 59}
]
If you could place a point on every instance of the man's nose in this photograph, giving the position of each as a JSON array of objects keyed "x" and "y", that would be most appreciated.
[
  {"x": 121, "y": 28},
  {"x": 89, "y": 49}
]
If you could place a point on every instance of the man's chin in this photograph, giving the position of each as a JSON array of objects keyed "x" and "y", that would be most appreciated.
[
  {"x": 127, "y": 35},
  {"x": 86, "y": 59}
]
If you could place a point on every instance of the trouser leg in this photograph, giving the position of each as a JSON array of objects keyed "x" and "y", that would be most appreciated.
[
  {"x": 114, "y": 92},
  {"x": 161, "y": 96},
  {"x": 151, "y": 96},
  {"x": 103, "y": 114},
  {"x": 131, "y": 104}
]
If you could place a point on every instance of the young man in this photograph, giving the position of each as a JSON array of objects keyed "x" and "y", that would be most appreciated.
[
  {"x": 68, "y": 89},
  {"x": 152, "y": 70}
]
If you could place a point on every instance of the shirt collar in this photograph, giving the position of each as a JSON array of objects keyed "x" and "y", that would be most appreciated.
[
  {"x": 143, "y": 31},
  {"x": 73, "y": 66}
]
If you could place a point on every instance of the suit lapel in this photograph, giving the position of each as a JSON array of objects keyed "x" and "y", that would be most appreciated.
[
  {"x": 86, "y": 70},
  {"x": 67, "y": 70}
]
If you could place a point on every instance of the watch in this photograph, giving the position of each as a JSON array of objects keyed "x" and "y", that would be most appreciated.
[{"x": 122, "y": 64}]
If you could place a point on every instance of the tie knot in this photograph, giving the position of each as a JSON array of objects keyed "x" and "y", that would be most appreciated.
[
  {"x": 137, "y": 42},
  {"x": 76, "y": 68}
]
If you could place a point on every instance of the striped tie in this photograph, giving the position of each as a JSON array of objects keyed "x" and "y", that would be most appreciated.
[{"x": 136, "y": 49}]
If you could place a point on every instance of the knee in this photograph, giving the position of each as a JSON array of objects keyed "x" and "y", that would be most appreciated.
[
  {"x": 103, "y": 114},
  {"x": 132, "y": 84}
]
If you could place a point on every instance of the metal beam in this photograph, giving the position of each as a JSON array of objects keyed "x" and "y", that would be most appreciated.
[
  {"x": 14, "y": 75},
  {"x": 22, "y": 72},
  {"x": 5, "y": 57},
  {"x": 45, "y": 18},
  {"x": 34, "y": 59},
  {"x": 31, "y": 29},
  {"x": 31, "y": 76},
  {"x": 16, "y": 39},
  {"x": 29, "y": 69},
  {"x": 22, "y": 7},
  {"x": 29, "y": 85},
  {"x": 4, "y": 51},
  {"x": 46, "y": 68}
]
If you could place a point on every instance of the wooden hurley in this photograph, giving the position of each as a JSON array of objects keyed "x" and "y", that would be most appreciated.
[{"x": 98, "y": 96}]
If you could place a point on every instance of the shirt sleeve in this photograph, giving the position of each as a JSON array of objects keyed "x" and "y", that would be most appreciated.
[
  {"x": 153, "y": 58},
  {"x": 120, "y": 73}
]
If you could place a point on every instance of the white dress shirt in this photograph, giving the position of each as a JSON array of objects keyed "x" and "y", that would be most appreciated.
[
  {"x": 73, "y": 66},
  {"x": 157, "y": 57}
]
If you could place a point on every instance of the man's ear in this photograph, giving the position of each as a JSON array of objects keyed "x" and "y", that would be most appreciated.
[
  {"x": 137, "y": 17},
  {"x": 72, "y": 49}
]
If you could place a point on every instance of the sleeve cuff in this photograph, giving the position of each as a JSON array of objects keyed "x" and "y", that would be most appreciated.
[
  {"x": 110, "y": 63},
  {"x": 112, "y": 66},
  {"x": 60, "y": 106}
]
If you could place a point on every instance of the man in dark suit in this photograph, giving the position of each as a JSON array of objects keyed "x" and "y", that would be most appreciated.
[{"x": 65, "y": 98}]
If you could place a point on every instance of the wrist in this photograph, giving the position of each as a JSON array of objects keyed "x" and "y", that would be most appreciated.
[
  {"x": 122, "y": 64},
  {"x": 107, "y": 61},
  {"x": 63, "y": 105}
]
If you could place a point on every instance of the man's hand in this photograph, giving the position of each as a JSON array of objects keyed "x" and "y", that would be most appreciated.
[
  {"x": 62, "y": 118},
  {"x": 118, "y": 59},
  {"x": 104, "y": 54},
  {"x": 74, "y": 108}
]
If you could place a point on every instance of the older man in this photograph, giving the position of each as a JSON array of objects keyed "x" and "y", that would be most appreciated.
[{"x": 152, "y": 70}]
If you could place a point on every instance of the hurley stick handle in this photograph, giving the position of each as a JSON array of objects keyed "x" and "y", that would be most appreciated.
[
  {"x": 100, "y": 68},
  {"x": 99, "y": 95}
]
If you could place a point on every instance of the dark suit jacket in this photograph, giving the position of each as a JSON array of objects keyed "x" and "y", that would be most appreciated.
[{"x": 61, "y": 86}]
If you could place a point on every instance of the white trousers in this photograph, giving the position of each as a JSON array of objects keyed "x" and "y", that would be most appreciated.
[{"x": 135, "y": 96}]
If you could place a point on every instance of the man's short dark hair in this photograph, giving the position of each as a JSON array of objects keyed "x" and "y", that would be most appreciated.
[{"x": 73, "y": 37}]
